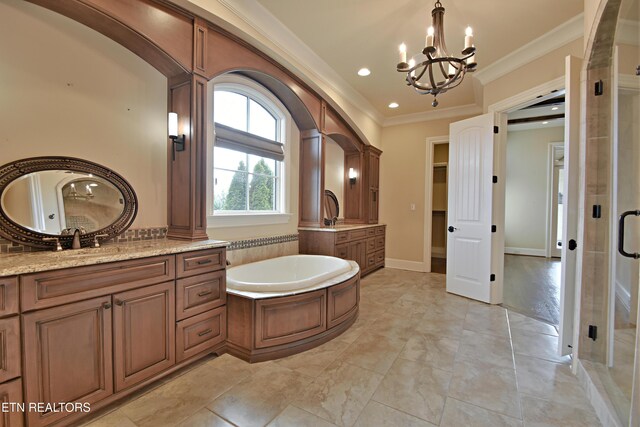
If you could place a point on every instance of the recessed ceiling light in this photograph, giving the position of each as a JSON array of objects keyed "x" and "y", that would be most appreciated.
[
  {"x": 364, "y": 72},
  {"x": 394, "y": 105},
  {"x": 554, "y": 108},
  {"x": 545, "y": 123}
]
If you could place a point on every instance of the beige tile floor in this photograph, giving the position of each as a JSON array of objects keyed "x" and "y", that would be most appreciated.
[{"x": 416, "y": 356}]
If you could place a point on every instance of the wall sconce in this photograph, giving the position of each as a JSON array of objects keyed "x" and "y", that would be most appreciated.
[
  {"x": 352, "y": 176},
  {"x": 178, "y": 141}
]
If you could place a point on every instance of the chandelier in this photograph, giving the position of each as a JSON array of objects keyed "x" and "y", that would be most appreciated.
[{"x": 435, "y": 71}]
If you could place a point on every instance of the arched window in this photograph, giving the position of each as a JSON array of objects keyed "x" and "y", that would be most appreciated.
[{"x": 249, "y": 150}]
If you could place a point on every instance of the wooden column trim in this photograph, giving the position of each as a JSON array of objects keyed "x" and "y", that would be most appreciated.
[
  {"x": 186, "y": 171},
  {"x": 312, "y": 149},
  {"x": 200, "y": 35}
]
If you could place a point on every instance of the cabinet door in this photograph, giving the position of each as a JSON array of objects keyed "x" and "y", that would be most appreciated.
[
  {"x": 373, "y": 206},
  {"x": 9, "y": 348},
  {"x": 358, "y": 253},
  {"x": 67, "y": 356},
  {"x": 143, "y": 333},
  {"x": 11, "y": 395}
]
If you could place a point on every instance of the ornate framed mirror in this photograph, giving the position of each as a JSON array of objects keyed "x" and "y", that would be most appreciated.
[{"x": 45, "y": 197}]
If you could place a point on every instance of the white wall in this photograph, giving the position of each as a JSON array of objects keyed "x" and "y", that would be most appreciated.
[
  {"x": 334, "y": 171},
  {"x": 526, "y": 187},
  {"x": 67, "y": 90}
]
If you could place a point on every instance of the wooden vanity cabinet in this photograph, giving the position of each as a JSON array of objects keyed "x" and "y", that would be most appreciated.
[
  {"x": 362, "y": 244},
  {"x": 95, "y": 333}
]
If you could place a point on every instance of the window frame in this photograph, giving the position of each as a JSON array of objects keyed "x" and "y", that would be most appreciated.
[{"x": 261, "y": 95}]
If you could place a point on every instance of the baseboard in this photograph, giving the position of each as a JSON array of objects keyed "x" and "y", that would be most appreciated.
[
  {"x": 402, "y": 264},
  {"x": 623, "y": 295},
  {"x": 437, "y": 252},
  {"x": 525, "y": 251}
]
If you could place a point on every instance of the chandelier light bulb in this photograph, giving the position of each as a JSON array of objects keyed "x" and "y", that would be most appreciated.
[
  {"x": 403, "y": 53},
  {"x": 430, "y": 32},
  {"x": 412, "y": 63},
  {"x": 468, "y": 39}
]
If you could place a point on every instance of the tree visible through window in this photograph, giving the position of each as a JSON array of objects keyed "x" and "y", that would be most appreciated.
[{"x": 245, "y": 181}]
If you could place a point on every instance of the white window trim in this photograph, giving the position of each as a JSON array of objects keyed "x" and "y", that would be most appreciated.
[{"x": 254, "y": 90}]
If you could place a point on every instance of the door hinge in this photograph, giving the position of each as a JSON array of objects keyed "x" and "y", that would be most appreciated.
[
  {"x": 495, "y": 179},
  {"x": 496, "y": 129},
  {"x": 597, "y": 212},
  {"x": 599, "y": 88},
  {"x": 593, "y": 332},
  {"x": 492, "y": 278},
  {"x": 494, "y": 228}
]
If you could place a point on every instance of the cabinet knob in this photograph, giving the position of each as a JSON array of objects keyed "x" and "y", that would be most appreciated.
[
  {"x": 106, "y": 306},
  {"x": 118, "y": 302}
]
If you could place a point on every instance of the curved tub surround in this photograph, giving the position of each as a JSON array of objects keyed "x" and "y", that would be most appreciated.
[
  {"x": 270, "y": 325},
  {"x": 287, "y": 274},
  {"x": 33, "y": 262}
]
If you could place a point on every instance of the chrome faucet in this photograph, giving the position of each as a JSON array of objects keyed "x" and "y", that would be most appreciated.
[{"x": 76, "y": 239}]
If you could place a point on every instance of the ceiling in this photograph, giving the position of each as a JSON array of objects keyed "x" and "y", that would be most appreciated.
[
  {"x": 548, "y": 112},
  {"x": 351, "y": 34}
]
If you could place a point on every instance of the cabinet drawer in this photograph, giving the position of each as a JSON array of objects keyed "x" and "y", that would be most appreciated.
[
  {"x": 192, "y": 263},
  {"x": 379, "y": 257},
  {"x": 11, "y": 392},
  {"x": 9, "y": 348},
  {"x": 379, "y": 242},
  {"x": 58, "y": 287},
  {"x": 380, "y": 230},
  {"x": 357, "y": 234},
  {"x": 371, "y": 231},
  {"x": 198, "y": 294},
  {"x": 342, "y": 251},
  {"x": 8, "y": 296},
  {"x": 371, "y": 261},
  {"x": 342, "y": 237},
  {"x": 287, "y": 319},
  {"x": 201, "y": 332},
  {"x": 371, "y": 244}
]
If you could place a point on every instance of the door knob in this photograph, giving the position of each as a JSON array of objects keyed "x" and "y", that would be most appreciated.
[
  {"x": 451, "y": 229},
  {"x": 572, "y": 245}
]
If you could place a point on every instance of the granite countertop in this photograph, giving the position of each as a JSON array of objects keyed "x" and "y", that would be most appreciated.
[
  {"x": 340, "y": 227},
  {"x": 32, "y": 262}
]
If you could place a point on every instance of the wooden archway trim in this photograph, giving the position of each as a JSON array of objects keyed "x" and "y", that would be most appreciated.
[
  {"x": 190, "y": 51},
  {"x": 159, "y": 34}
]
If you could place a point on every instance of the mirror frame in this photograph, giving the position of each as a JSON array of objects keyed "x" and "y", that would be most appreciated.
[
  {"x": 25, "y": 236},
  {"x": 330, "y": 194}
]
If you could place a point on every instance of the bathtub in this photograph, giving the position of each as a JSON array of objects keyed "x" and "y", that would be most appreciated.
[
  {"x": 287, "y": 274},
  {"x": 286, "y": 305}
]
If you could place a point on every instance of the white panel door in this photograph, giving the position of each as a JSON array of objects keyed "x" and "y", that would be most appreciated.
[
  {"x": 470, "y": 206},
  {"x": 570, "y": 203}
]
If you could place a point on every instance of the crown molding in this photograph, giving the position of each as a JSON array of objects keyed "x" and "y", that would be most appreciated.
[
  {"x": 564, "y": 33},
  {"x": 628, "y": 31},
  {"x": 259, "y": 18},
  {"x": 424, "y": 116}
]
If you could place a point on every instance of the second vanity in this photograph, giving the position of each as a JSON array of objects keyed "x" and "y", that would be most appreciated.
[
  {"x": 93, "y": 325},
  {"x": 364, "y": 244}
]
